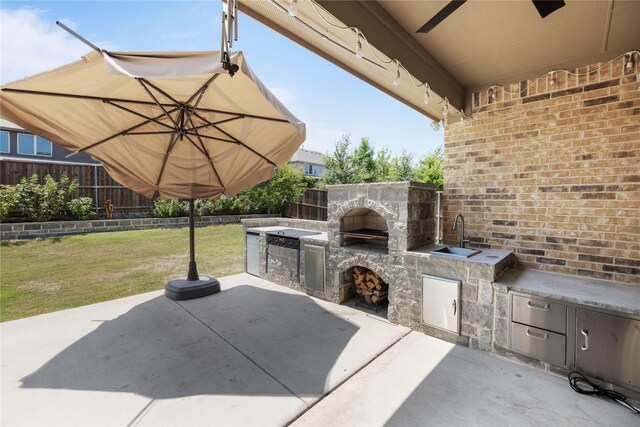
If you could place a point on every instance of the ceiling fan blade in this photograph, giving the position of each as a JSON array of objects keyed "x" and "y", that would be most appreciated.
[
  {"x": 441, "y": 16},
  {"x": 547, "y": 7}
]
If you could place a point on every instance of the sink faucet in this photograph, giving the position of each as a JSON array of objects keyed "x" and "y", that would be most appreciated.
[{"x": 462, "y": 239}]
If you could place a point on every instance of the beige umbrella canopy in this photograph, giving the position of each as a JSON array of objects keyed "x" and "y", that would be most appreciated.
[
  {"x": 174, "y": 122},
  {"x": 177, "y": 124}
]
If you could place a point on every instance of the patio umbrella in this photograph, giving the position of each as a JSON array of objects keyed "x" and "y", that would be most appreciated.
[{"x": 172, "y": 124}]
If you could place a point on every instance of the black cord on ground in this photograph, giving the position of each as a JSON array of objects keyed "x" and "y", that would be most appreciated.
[{"x": 582, "y": 385}]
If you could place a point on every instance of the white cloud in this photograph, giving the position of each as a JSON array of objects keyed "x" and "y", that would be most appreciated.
[{"x": 31, "y": 45}]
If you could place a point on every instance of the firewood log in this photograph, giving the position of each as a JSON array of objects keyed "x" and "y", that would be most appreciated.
[{"x": 375, "y": 298}]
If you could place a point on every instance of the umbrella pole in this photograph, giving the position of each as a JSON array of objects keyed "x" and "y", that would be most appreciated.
[
  {"x": 193, "y": 269},
  {"x": 194, "y": 285}
]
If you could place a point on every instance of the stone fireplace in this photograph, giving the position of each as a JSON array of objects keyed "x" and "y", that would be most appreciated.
[{"x": 371, "y": 226}]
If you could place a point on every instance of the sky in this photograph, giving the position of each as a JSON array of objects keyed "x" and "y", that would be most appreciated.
[{"x": 329, "y": 100}]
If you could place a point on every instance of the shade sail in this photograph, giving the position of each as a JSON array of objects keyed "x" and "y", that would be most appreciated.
[{"x": 171, "y": 122}]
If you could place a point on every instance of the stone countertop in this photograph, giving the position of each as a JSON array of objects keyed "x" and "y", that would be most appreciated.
[
  {"x": 316, "y": 238},
  {"x": 321, "y": 237},
  {"x": 614, "y": 296},
  {"x": 262, "y": 230},
  {"x": 486, "y": 256}
]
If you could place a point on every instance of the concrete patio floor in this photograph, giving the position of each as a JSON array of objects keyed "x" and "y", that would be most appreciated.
[{"x": 264, "y": 355}]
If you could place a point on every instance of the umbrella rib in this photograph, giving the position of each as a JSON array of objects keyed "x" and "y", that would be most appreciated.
[
  {"x": 89, "y": 97},
  {"x": 209, "y": 124},
  {"x": 138, "y": 114},
  {"x": 202, "y": 89},
  {"x": 159, "y": 90},
  {"x": 245, "y": 145},
  {"x": 206, "y": 152},
  {"x": 211, "y": 137},
  {"x": 180, "y": 135},
  {"x": 172, "y": 143},
  {"x": 95, "y": 144},
  {"x": 237, "y": 141},
  {"x": 142, "y": 82},
  {"x": 251, "y": 116},
  {"x": 164, "y": 132}
]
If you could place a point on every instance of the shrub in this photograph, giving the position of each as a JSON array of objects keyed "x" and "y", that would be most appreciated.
[
  {"x": 8, "y": 200},
  {"x": 199, "y": 207},
  {"x": 81, "y": 208},
  {"x": 220, "y": 206},
  {"x": 268, "y": 197},
  {"x": 43, "y": 202},
  {"x": 168, "y": 208}
]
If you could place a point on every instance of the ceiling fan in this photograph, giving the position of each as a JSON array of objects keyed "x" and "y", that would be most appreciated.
[{"x": 545, "y": 8}]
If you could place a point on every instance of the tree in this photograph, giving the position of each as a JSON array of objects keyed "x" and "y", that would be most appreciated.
[
  {"x": 287, "y": 184},
  {"x": 364, "y": 162},
  {"x": 430, "y": 168},
  {"x": 402, "y": 167},
  {"x": 384, "y": 166},
  {"x": 338, "y": 166}
]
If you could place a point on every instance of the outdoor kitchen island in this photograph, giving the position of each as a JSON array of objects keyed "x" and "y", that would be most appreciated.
[
  {"x": 383, "y": 235},
  {"x": 352, "y": 238}
]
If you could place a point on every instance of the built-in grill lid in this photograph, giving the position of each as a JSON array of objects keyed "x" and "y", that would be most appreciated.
[{"x": 291, "y": 233}]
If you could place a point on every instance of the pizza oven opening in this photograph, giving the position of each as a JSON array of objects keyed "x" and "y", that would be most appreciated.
[{"x": 364, "y": 227}]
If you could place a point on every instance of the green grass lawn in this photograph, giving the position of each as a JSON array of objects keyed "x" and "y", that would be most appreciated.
[{"x": 44, "y": 275}]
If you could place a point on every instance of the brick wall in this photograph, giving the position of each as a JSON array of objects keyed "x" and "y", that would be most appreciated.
[{"x": 553, "y": 173}]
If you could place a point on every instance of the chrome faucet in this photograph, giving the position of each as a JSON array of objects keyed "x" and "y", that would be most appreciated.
[{"x": 462, "y": 239}]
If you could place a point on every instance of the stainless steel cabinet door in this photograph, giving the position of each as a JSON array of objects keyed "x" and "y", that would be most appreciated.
[
  {"x": 441, "y": 303},
  {"x": 314, "y": 271},
  {"x": 608, "y": 346},
  {"x": 253, "y": 254}
]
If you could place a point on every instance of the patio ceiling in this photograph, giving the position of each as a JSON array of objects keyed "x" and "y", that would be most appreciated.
[{"x": 480, "y": 44}]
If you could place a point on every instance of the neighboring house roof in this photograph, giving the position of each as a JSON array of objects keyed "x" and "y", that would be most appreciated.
[
  {"x": 5, "y": 124},
  {"x": 307, "y": 156}
]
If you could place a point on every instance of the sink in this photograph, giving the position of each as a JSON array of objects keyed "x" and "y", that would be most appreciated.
[{"x": 456, "y": 252}]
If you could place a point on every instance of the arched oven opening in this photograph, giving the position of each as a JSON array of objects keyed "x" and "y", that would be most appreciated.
[{"x": 364, "y": 227}]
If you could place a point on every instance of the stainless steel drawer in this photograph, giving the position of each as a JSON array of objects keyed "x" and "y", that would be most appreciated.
[
  {"x": 540, "y": 313},
  {"x": 538, "y": 343}
]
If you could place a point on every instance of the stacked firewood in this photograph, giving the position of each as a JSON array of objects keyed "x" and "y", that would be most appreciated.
[{"x": 369, "y": 286}]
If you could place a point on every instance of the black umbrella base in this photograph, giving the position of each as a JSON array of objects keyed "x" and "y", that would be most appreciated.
[{"x": 182, "y": 289}]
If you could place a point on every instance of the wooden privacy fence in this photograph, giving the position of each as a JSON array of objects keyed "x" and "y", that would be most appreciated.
[
  {"x": 93, "y": 181},
  {"x": 312, "y": 206}
]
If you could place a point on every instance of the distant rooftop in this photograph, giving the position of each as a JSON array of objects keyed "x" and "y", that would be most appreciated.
[
  {"x": 307, "y": 156},
  {"x": 5, "y": 124}
]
